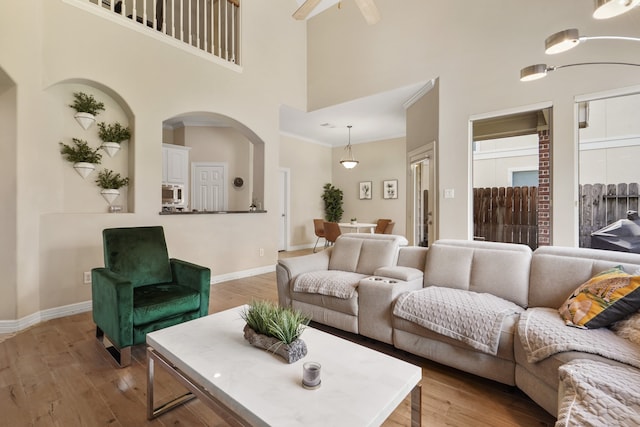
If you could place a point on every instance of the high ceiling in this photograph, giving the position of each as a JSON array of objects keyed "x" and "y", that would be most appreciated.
[{"x": 374, "y": 118}]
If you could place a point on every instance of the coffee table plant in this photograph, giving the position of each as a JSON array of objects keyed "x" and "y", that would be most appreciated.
[{"x": 276, "y": 329}]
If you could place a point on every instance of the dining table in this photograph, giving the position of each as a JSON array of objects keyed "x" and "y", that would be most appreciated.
[{"x": 357, "y": 226}]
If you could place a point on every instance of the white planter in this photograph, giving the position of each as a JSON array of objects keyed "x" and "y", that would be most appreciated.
[
  {"x": 85, "y": 119},
  {"x": 110, "y": 194},
  {"x": 111, "y": 148},
  {"x": 84, "y": 169}
]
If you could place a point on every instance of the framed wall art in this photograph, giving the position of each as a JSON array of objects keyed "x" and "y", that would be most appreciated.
[
  {"x": 365, "y": 190},
  {"x": 390, "y": 189}
]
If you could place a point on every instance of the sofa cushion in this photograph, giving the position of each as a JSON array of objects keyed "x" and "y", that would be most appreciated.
[
  {"x": 345, "y": 254},
  {"x": 543, "y": 334},
  {"x": 363, "y": 253},
  {"x": 475, "y": 319},
  {"x": 596, "y": 393},
  {"x": 340, "y": 284},
  {"x": 155, "y": 302},
  {"x": 500, "y": 269},
  {"x": 607, "y": 297}
]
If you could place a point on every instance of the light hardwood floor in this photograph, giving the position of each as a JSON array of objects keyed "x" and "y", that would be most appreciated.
[{"x": 55, "y": 374}]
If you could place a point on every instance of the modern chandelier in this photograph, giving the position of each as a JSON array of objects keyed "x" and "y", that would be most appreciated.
[
  {"x": 606, "y": 9},
  {"x": 348, "y": 161},
  {"x": 565, "y": 40}
]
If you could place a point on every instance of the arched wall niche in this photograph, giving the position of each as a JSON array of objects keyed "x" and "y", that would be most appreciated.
[
  {"x": 83, "y": 195},
  {"x": 216, "y": 139}
]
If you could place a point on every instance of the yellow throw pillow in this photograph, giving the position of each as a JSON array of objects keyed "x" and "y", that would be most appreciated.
[{"x": 605, "y": 298}]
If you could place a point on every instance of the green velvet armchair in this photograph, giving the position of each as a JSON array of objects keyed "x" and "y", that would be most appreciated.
[{"x": 140, "y": 289}]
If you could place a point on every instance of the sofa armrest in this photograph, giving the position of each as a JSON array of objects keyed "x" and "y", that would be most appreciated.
[
  {"x": 195, "y": 277},
  {"x": 289, "y": 268},
  {"x": 376, "y": 296},
  {"x": 112, "y": 300},
  {"x": 407, "y": 274}
]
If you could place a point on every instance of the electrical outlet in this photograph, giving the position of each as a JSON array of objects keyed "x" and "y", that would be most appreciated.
[
  {"x": 261, "y": 251},
  {"x": 87, "y": 277}
]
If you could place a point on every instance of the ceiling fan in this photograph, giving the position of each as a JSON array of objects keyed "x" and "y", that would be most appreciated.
[{"x": 367, "y": 7}]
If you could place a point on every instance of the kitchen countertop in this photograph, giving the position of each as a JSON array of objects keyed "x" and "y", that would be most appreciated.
[{"x": 187, "y": 212}]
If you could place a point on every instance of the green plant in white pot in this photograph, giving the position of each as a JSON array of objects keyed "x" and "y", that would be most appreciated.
[
  {"x": 110, "y": 182},
  {"x": 83, "y": 157},
  {"x": 87, "y": 108},
  {"x": 112, "y": 135}
]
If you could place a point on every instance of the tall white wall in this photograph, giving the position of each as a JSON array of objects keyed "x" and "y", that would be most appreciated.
[
  {"x": 476, "y": 49},
  {"x": 47, "y": 44}
]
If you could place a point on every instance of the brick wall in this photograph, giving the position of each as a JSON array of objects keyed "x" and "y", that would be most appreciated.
[{"x": 544, "y": 188}]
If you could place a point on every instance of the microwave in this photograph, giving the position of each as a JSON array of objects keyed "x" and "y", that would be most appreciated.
[{"x": 172, "y": 195}]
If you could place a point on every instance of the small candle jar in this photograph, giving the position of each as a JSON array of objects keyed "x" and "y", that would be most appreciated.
[{"x": 311, "y": 375}]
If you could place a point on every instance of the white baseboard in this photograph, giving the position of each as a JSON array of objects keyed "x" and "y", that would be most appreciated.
[
  {"x": 242, "y": 274},
  {"x": 12, "y": 326}
]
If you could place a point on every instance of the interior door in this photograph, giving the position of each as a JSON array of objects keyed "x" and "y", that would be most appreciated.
[
  {"x": 209, "y": 184},
  {"x": 283, "y": 206},
  {"x": 422, "y": 203}
]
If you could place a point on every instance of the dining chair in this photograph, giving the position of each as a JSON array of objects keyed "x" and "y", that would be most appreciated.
[
  {"x": 331, "y": 232},
  {"x": 389, "y": 228},
  {"x": 381, "y": 226},
  {"x": 318, "y": 226}
]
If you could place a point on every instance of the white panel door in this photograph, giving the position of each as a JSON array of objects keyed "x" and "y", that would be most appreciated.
[{"x": 209, "y": 184}]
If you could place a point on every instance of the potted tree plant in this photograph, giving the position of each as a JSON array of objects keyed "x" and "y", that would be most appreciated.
[
  {"x": 112, "y": 135},
  {"x": 87, "y": 108},
  {"x": 110, "y": 182},
  {"x": 276, "y": 329},
  {"x": 83, "y": 157},
  {"x": 332, "y": 198}
]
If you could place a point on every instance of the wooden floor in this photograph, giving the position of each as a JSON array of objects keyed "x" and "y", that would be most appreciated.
[{"x": 55, "y": 374}]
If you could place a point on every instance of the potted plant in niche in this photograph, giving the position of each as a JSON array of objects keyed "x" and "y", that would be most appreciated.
[
  {"x": 332, "y": 198},
  {"x": 112, "y": 135},
  {"x": 87, "y": 108},
  {"x": 110, "y": 182},
  {"x": 83, "y": 157},
  {"x": 275, "y": 329}
]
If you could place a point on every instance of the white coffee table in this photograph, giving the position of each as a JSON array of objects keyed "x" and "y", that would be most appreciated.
[{"x": 210, "y": 357}]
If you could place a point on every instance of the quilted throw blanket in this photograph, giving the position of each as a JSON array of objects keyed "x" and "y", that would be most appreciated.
[
  {"x": 473, "y": 318},
  {"x": 598, "y": 394},
  {"x": 543, "y": 333},
  {"x": 336, "y": 283}
]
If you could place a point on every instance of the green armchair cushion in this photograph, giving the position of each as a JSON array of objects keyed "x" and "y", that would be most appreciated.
[
  {"x": 137, "y": 253},
  {"x": 156, "y": 302}
]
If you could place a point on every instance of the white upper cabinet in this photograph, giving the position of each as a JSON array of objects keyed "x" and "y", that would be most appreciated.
[{"x": 175, "y": 164}]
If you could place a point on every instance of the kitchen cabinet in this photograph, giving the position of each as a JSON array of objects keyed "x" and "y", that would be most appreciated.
[{"x": 175, "y": 164}]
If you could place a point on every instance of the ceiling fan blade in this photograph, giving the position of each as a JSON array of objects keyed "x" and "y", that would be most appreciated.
[
  {"x": 307, "y": 7},
  {"x": 369, "y": 10}
]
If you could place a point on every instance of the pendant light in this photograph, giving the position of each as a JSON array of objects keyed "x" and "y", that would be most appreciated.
[
  {"x": 606, "y": 9},
  {"x": 348, "y": 161}
]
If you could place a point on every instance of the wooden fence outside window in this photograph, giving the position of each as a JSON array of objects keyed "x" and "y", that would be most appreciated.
[{"x": 506, "y": 214}]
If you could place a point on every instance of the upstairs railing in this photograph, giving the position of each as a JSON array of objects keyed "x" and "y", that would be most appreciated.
[{"x": 211, "y": 26}]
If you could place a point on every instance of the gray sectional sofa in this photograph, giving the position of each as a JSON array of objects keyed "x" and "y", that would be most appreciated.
[{"x": 482, "y": 307}]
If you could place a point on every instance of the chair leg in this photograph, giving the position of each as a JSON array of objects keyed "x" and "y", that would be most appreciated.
[
  {"x": 314, "y": 246},
  {"x": 122, "y": 356}
]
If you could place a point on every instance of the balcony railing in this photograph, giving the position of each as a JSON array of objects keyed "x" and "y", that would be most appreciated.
[{"x": 211, "y": 26}]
